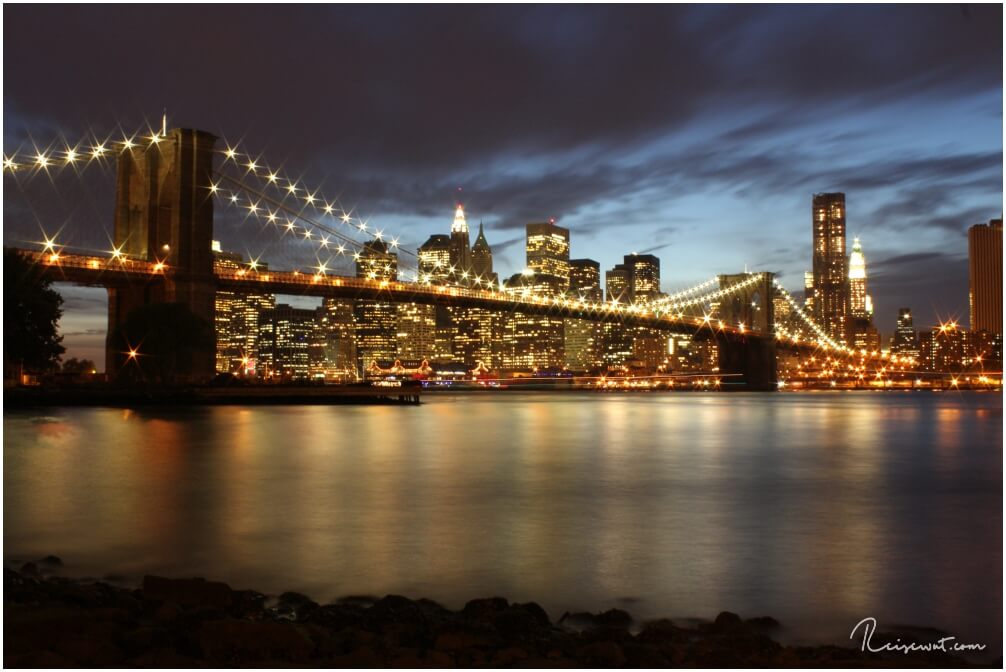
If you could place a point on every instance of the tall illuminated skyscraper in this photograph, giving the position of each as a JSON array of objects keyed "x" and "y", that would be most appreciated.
[
  {"x": 616, "y": 284},
  {"x": 905, "y": 341},
  {"x": 376, "y": 321},
  {"x": 985, "y": 275},
  {"x": 239, "y": 322},
  {"x": 435, "y": 260},
  {"x": 461, "y": 252},
  {"x": 644, "y": 276},
  {"x": 831, "y": 289},
  {"x": 548, "y": 251},
  {"x": 583, "y": 337},
  {"x": 482, "y": 260},
  {"x": 863, "y": 333},
  {"x": 335, "y": 322},
  {"x": 859, "y": 302}
]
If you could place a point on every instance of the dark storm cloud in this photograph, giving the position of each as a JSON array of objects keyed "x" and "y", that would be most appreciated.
[{"x": 402, "y": 87}]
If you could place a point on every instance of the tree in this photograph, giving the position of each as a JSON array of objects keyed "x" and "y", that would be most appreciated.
[
  {"x": 74, "y": 365},
  {"x": 32, "y": 309},
  {"x": 160, "y": 341}
]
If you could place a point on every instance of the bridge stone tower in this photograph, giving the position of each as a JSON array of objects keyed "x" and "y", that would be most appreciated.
[
  {"x": 164, "y": 212},
  {"x": 751, "y": 306},
  {"x": 753, "y": 357}
]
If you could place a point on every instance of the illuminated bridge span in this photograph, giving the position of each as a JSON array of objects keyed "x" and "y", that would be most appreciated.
[
  {"x": 167, "y": 184},
  {"x": 123, "y": 272}
]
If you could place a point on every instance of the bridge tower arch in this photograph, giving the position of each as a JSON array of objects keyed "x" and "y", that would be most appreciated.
[
  {"x": 164, "y": 212},
  {"x": 751, "y": 359}
]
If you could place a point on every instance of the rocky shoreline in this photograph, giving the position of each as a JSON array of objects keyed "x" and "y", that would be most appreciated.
[{"x": 50, "y": 621}]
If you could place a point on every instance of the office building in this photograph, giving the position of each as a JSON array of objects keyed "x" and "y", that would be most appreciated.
[
  {"x": 905, "y": 341},
  {"x": 460, "y": 245},
  {"x": 338, "y": 336},
  {"x": 289, "y": 340},
  {"x": 238, "y": 321},
  {"x": 376, "y": 322},
  {"x": 985, "y": 275},
  {"x": 644, "y": 277},
  {"x": 831, "y": 287},
  {"x": 583, "y": 337},
  {"x": 548, "y": 251}
]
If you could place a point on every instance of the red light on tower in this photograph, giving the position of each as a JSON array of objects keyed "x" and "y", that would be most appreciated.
[{"x": 551, "y": 220}]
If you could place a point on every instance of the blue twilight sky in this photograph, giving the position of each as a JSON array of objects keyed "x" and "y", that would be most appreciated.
[{"x": 696, "y": 133}]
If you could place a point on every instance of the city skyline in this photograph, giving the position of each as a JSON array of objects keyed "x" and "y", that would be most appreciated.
[{"x": 674, "y": 182}]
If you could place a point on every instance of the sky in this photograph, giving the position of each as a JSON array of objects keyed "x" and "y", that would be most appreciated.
[{"x": 695, "y": 133}]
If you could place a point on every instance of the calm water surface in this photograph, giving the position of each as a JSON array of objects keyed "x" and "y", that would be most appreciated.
[{"x": 816, "y": 508}]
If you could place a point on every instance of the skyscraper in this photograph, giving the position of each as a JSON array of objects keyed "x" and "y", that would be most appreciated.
[
  {"x": 905, "y": 341},
  {"x": 292, "y": 334},
  {"x": 858, "y": 298},
  {"x": 616, "y": 284},
  {"x": 644, "y": 276},
  {"x": 864, "y": 335},
  {"x": 583, "y": 337},
  {"x": 335, "y": 322},
  {"x": 831, "y": 289},
  {"x": 238, "y": 322},
  {"x": 461, "y": 252},
  {"x": 376, "y": 321},
  {"x": 548, "y": 251},
  {"x": 482, "y": 260},
  {"x": 985, "y": 274},
  {"x": 435, "y": 260}
]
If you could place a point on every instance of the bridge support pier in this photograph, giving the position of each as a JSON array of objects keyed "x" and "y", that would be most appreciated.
[
  {"x": 164, "y": 213},
  {"x": 753, "y": 358}
]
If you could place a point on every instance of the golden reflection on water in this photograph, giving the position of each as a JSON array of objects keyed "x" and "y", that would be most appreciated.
[{"x": 818, "y": 509}]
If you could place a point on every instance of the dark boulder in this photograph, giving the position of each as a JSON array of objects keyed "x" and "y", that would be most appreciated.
[{"x": 197, "y": 593}]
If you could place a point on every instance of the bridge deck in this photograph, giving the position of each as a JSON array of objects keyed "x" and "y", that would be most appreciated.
[{"x": 106, "y": 272}]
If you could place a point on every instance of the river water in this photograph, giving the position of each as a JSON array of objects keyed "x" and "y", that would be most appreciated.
[{"x": 819, "y": 509}]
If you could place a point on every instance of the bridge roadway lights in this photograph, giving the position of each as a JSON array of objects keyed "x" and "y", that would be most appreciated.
[{"x": 753, "y": 358}]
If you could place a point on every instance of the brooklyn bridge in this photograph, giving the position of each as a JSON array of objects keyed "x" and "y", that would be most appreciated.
[{"x": 167, "y": 184}]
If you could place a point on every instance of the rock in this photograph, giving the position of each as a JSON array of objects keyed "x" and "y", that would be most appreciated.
[
  {"x": 30, "y": 569},
  {"x": 167, "y": 613},
  {"x": 455, "y": 640},
  {"x": 394, "y": 610},
  {"x": 509, "y": 656},
  {"x": 484, "y": 608},
  {"x": 295, "y": 606},
  {"x": 164, "y": 659},
  {"x": 602, "y": 654},
  {"x": 358, "y": 600},
  {"x": 518, "y": 623},
  {"x": 198, "y": 593},
  {"x": 580, "y": 620},
  {"x": 540, "y": 615},
  {"x": 230, "y": 641},
  {"x": 89, "y": 651},
  {"x": 727, "y": 620},
  {"x": 613, "y": 618},
  {"x": 37, "y": 659},
  {"x": 336, "y": 616},
  {"x": 51, "y": 561},
  {"x": 662, "y": 630},
  {"x": 763, "y": 623},
  {"x": 361, "y": 657}
]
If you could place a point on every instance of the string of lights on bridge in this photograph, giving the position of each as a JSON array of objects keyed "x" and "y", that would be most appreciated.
[{"x": 280, "y": 213}]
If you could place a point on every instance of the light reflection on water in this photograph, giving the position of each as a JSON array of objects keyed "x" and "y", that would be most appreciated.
[{"x": 818, "y": 509}]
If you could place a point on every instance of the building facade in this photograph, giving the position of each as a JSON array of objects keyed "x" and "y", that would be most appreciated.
[
  {"x": 831, "y": 288},
  {"x": 985, "y": 275},
  {"x": 376, "y": 322},
  {"x": 583, "y": 337}
]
